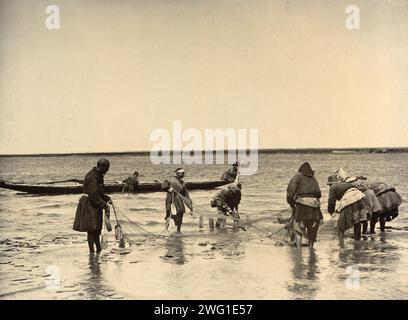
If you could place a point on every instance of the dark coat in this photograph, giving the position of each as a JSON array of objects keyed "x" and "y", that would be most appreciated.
[
  {"x": 303, "y": 185},
  {"x": 87, "y": 218},
  {"x": 93, "y": 187},
  {"x": 131, "y": 183},
  {"x": 89, "y": 212},
  {"x": 230, "y": 175},
  {"x": 229, "y": 197}
]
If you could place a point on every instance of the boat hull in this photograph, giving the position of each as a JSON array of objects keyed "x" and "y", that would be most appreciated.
[{"x": 108, "y": 188}]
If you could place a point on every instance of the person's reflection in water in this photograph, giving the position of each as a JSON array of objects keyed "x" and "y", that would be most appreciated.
[
  {"x": 305, "y": 274},
  {"x": 374, "y": 260},
  {"x": 93, "y": 283},
  {"x": 175, "y": 250}
]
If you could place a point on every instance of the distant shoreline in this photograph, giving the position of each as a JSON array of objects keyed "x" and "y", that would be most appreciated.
[{"x": 260, "y": 151}]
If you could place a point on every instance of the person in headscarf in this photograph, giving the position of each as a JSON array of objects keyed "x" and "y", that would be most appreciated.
[
  {"x": 177, "y": 194},
  {"x": 344, "y": 176},
  {"x": 231, "y": 174},
  {"x": 131, "y": 182},
  {"x": 226, "y": 201},
  {"x": 381, "y": 203},
  {"x": 89, "y": 212},
  {"x": 349, "y": 201},
  {"x": 371, "y": 203},
  {"x": 303, "y": 195},
  {"x": 389, "y": 200}
]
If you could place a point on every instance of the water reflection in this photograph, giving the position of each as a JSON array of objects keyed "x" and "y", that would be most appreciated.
[
  {"x": 365, "y": 264},
  {"x": 230, "y": 249},
  {"x": 93, "y": 283},
  {"x": 370, "y": 255},
  {"x": 174, "y": 250},
  {"x": 305, "y": 273}
]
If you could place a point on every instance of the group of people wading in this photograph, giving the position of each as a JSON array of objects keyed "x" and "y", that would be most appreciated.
[
  {"x": 356, "y": 200},
  {"x": 94, "y": 204},
  {"x": 226, "y": 201}
]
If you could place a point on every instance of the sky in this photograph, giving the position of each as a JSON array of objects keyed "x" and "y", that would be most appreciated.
[{"x": 117, "y": 70}]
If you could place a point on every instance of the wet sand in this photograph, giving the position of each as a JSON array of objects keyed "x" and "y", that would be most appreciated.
[{"x": 219, "y": 265}]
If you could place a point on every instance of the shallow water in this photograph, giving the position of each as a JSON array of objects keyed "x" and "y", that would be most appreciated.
[{"x": 41, "y": 257}]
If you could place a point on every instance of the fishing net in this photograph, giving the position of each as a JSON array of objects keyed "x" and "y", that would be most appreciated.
[
  {"x": 129, "y": 231},
  {"x": 283, "y": 236},
  {"x": 120, "y": 236},
  {"x": 169, "y": 226},
  {"x": 104, "y": 237},
  {"x": 329, "y": 226}
]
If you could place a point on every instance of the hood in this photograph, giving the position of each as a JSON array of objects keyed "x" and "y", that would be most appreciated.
[
  {"x": 306, "y": 169},
  {"x": 344, "y": 176}
]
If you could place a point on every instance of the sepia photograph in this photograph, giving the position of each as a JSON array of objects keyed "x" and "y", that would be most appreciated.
[{"x": 221, "y": 150}]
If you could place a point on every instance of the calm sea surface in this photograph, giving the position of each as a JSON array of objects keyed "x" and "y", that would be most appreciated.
[{"x": 42, "y": 257}]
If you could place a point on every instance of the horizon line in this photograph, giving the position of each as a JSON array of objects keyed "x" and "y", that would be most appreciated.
[{"x": 263, "y": 150}]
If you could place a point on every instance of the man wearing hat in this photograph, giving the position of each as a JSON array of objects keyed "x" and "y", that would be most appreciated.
[
  {"x": 91, "y": 205},
  {"x": 177, "y": 194},
  {"x": 231, "y": 174}
]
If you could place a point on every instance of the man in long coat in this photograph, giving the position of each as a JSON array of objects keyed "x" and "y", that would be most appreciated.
[{"x": 91, "y": 205}]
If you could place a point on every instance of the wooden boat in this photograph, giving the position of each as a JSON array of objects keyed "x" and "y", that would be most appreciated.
[{"x": 48, "y": 189}]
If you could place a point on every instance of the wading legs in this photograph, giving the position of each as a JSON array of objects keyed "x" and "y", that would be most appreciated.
[
  {"x": 357, "y": 231},
  {"x": 382, "y": 224},
  {"x": 178, "y": 220},
  {"x": 94, "y": 239},
  {"x": 341, "y": 238},
  {"x": 298, "y": 239},
  {"x": 372, "y": 225},
  {"x": 312, "y": 232},
  {"x": 365, "y": 227}
]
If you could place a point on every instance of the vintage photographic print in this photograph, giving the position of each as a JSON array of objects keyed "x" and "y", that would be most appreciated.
[{"x": 203, "y": 150}]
